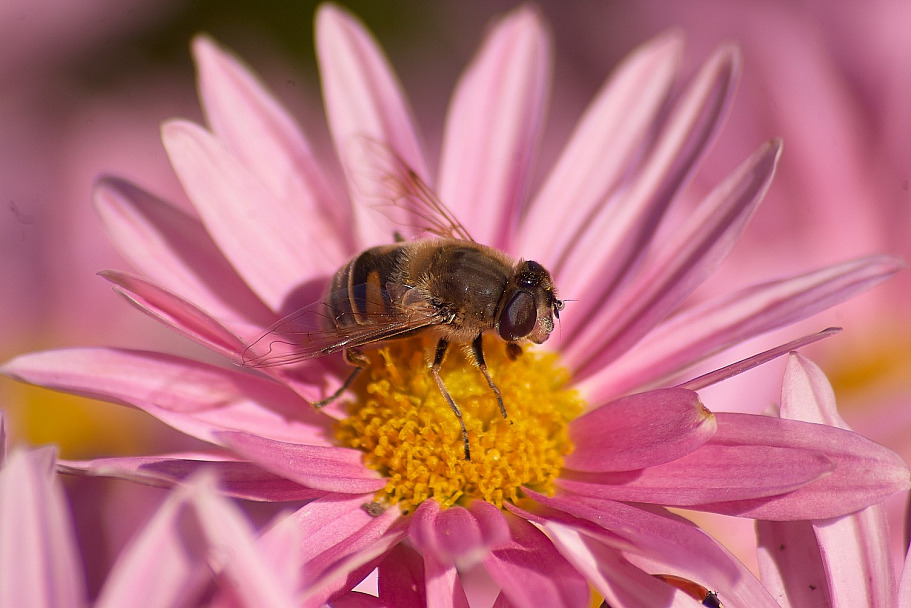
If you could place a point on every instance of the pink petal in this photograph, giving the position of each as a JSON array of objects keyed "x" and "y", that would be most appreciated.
[
  {"x": 260, "y": 235},
  {"x": 621, "y": 583},
  {"x": 532, "y": 572},
  {"x": 492, "y": 127},
  {"x": 639, "y": 431},
  {"x": 400, "y": 579},
  {"x": 173, "y": 311},
  {"x": 344, "y": 543},
  {"x": 370, "y": 548},
  {"x": 733, "y": 369},
  {"x": 352, "y": 569},
  {"x": 265, "y": 138},
  {"x": 457, "y": 535},
  {"x": 855, "y": 549},
  {"x": 193, "y": 397},
  {"x": 363, "y": 100},
  {"x": 807, "y": 395},
  {"x": 692, "y": 254},
  {"x": 720, "y": 470},
  {"x": 164, "y": 565},
  {"x": 610, "y": 243},
  {"x": 39, "y": 558},
  {"x": 408, "y": 579},
  {"x": 790, "y": 564},
  {"x": 327, "y": 468},
  {"x": 237, "y": 479},
  {"x": 195, "y": 531},
  {"x": 618, "y": 535},
  {"x": 172, "y": 248},
  {"x": 232, "y": 541},
  {"x": 444, "y": 587},
  {"x": 602, "y": 146},
  {"x": 857, "y": 556},
  {"x": 709, "y": 328},
  {"x": 793, "y": 470},
  {"x": 904, "y": 589}
]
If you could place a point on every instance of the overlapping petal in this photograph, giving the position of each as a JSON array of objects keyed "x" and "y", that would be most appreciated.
[
  {"x": 616, "y": 544},
  {"x": 458, "y": 535},
  {"x": 196, "y": 398},
  {"x": 328, "y": 468},
  {"x": 344, "y": 542},
  {"x": 492, "y": 127},
  {"x": 531, "y": 572},
  {"x": 229, "y": 197},
  {"x": 764, "y": 468},
  {"x": 172, "y": 249},
  {"x": 165, "y": 565},
  {"x": 680, "y": 265},
  {"x": 267, "y": 140},
  {"x": 612, "y": 130},
  {"x": 195, "y": 533},
  {"x": 847, "y": 557},
  {"x": 236, "y": 478},
  {"x": 639, "y": 431},
  {"x": 599, "y": 259},
  {"x": 168, "y": 308},
  {"x": 364, "y": 101},
  {"x": 705, "y": 329}
]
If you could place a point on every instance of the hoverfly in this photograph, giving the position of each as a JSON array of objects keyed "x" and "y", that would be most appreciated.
[{"x": 447, "y": 286}]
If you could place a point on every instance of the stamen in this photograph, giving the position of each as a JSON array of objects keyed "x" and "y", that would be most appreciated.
[{"x": 409, "y": 434}]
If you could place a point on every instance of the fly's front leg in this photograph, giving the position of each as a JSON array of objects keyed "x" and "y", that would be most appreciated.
[
  {"x": 355, "y": 357},
  {"x": 477, "y": 347},
  {"x": 442, "y": 345}
]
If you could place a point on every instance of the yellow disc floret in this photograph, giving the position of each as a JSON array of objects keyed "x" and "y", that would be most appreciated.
[{"x": 411, "y": 436}]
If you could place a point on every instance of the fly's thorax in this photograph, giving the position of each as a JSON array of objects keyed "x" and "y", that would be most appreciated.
[{"x": 462, "y": 279}]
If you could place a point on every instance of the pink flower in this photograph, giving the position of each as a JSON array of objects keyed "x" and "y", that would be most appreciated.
[
  {"x": 835, "y": 561},
  {"x": 553, "y": 500},
  {"x": 169, "y": 563}
]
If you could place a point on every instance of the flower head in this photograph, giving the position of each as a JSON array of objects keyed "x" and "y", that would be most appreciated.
[{"x": 551, "y": 500}]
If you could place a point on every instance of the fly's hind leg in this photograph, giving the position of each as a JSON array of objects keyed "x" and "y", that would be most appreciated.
[
  {"x": 477, "y": 347},
  {"x": 442, "y": 345},
  {"x": 353, "y": 357}
]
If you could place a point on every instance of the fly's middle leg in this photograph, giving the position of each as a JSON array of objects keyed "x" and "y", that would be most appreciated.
[
  {"x": 477, "y": 347},
  {"x": 442, "y": 346}
]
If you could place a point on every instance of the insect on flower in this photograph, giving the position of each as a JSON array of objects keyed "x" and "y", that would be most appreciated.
[
  {"x": 692, "y": 589},
  {"x": 448, "y": 286}
]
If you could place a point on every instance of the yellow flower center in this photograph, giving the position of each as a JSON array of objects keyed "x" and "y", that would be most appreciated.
[{"x": 410, "y": 435}]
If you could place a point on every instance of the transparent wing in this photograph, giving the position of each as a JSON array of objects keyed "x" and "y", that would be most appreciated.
[
  {"x": 381, "y": 174},
  {"x": 320, "y": 329}
]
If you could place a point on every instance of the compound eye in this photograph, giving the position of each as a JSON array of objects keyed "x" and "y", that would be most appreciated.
[{"x": 518, "y": 317}]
